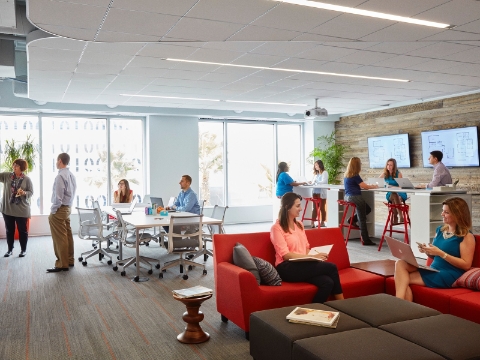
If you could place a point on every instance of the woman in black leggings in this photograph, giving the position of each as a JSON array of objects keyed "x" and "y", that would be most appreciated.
[{"x": 290, "y": 241}]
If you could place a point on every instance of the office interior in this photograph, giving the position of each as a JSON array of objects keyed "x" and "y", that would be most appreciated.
[{"x": 175, "y": 65}]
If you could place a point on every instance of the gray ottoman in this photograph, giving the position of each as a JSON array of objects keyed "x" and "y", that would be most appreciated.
[
  {"x": 447, "y": 335},
  {"x": 381, "y": 309},
  {"x": 272, "y": 336},
  {"x": 361, "y": 344}
]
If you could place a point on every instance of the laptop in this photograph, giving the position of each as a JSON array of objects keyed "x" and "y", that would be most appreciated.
[
  {"x": 404, "y": 183},
  {"x": 379, "y": 181},
  {"x": 156, "y": 200},
  {"x": 404, "y": 252},
  {"x": 128, "y": 211}
]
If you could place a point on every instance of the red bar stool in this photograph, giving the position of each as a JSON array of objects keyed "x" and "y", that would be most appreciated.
[
  {"x": 403, "y": 208},
  {"x": 349, "y": 225},
  {"x": 317, "y": 202}
]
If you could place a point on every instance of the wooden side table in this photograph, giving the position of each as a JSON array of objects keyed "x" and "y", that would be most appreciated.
[
  {"x": 193, "y": 333},
  {"x": 384, "y": 268}
]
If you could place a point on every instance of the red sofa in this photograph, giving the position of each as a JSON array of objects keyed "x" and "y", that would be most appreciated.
[
  {"x": 460, "y": 302},
  {"x": 238, "y": 294}
]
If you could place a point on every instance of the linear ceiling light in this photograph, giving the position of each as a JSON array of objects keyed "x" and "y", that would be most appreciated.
[
  {"x": 264, "y": 103},
  {"x": 288, "y": 70},
  {"x": 169, "y": 97},
  {"x": 355, "y": 11}
]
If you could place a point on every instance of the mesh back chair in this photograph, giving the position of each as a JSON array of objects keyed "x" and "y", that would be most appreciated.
[
  {"x": 109, "y": 224},
  {"x": 184, "y": 236},
  {"x": 219, "y": 214},
  {"x": 128, "y": 238},
  {"x": 92, "y": 229}
]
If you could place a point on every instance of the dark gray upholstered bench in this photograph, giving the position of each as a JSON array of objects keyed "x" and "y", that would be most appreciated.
[
  {"x": 272, "y": 336},
  {"x": 361, "y": 344}
]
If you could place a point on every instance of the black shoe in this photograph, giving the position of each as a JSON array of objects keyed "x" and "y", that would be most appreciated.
[
  {"x": 56, "y": 269},
  {"x": 22, "y": 253},
  {"x": 369, "y": 243},
  {"x": 8, "y": 253}
]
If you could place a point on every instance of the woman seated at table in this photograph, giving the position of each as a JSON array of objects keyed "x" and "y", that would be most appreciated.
[
  {"x": 353, "y": 193},
  {"x": 290, "y": 241},
  {"x": 320, "y": 176},
  {"x": 285, "y": 182},
  {"x": 452, "y": 252},
  {"x": 123, "y": 194},
  {"x": 390, "y": 172}
]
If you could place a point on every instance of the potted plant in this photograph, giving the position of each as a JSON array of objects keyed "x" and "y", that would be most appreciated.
[
  {"x": 26, "y": 150},
  {"x": 332, "y": 155}
]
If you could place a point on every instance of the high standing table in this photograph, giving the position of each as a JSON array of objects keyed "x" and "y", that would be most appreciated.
[{"x": 139, "y": 220}]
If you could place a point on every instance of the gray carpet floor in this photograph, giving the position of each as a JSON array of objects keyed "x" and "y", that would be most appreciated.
[{"x": 91, "y": 312}]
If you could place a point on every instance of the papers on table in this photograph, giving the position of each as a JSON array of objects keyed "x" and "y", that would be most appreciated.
[
  {"x": 315, "y": 250},
  {"x": 195, "y": 291},
  {"x": 314, "y": 317}
]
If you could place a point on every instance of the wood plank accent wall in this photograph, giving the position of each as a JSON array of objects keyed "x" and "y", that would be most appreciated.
[{"x": 434, "y": 115}]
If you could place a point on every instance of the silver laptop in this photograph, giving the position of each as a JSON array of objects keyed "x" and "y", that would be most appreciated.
[
  {"x": 128, "y": 211},
  {"x": 379, "y": 181},
  {"x": 156, "y": 200},
  {"x": 404, "y": 252},
  {"x": 404, "y": 183}
]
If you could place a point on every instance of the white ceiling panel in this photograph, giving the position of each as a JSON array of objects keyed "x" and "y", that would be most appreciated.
[
  {"x": 401, "y": 32},
  {"x": 284, "y": 49},
  {"x": 112, "y": 36},
  {"x": 7, "y": 14},
  {"x": 470, "y": 56},
  {"x": 69, "y": 31},
  {"x": 455, "y": 12},
  {"x": 439, "y": 50},
  {"x": 365, "y": 57},
  {"x": 213, "y": 55},
  {"x": 399, "y": 47},
  {"x": 158, "y": 50},
  {"x": 433, "y": 65},
  {"x": 115, "y": 49},
  {"x": 203, "y": 30},
  {"x": 259, "y": 60},
  {"x": 169, "y": 7},
  {"x": 260, "y": 33},
  {"x": 472, "y": 27},
  {"x": 401, "y": 61},
  {"x": 326, "y": 52},
  {"x": 452, "y": 35},
  {"x": 408, "y": 8}
]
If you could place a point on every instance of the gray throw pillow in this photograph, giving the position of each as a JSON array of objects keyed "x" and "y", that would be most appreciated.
[
  {"x": 268, "y": 274},
  {"x": 243, "y": 259}
]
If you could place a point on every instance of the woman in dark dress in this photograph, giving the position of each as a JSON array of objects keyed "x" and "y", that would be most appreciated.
[{"x": 452, "y": 252}]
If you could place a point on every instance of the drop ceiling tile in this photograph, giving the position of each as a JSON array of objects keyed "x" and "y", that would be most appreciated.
[
  {"x": 90, "y": 68},
  {"x": 452, "y": 35},
  {"x": 301, "y": 64},
  {"x": 463, "y": 69},
  {"x": 56, "y": 55},
  {"x": 150, "y": 62},
  {"x": 401, "y": 32},
  {"x": 291, "y": 83},
  {"x": 98, "y": 78},
  {"x": 58, "y": 43},
  {"x": 214, "y": 55},
  {"x": 259, "y": 33},
  {"x": 259, "y": 60},
  {"x": 114, "y": 49},
  {"x": 233, "y": 11},
  {"x": 372, "y": 70},
  {"x": 351, "y": 26},
  {"x": 365, "y": 57},
  {"x": 470, "y": 56},
  {"x": 106, "y": 58},
  {"x": 458, "y": 12},
  {"x": 408, "y": 8},
  {"x": 159, "y": 50},
  {"x": 168, "y": 7},
  {"x": 398, "y": 47},
  {"x": 222, "y": 77},
  {"x": 7, "y": 14},
  {"x": 179, "y": 74},
  {"x": 192, "y": 66},
  {"x": 50, "y": 75},
  {"x": 433, "y": 65},
  {"x": 203, "y": 30},
  {"x": 114, "y": 36},
  {"x": 320, "y": 38},
  {"x": 439, "y": 50},
  {"x": 240, "y": 46},
  {"x": 473, "y": 27},
  {"x": 284, "y": 48},
  {"x": 326, "y": 52},
  {"x": 49, "y": 65},
  {"x": 402, "y": 61},
  {"x": 144, "y": 71},
  {"x": 73, "y": 33}
]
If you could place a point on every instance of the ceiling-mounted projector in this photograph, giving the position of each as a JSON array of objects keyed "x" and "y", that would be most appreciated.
[{"x": 315, "y": 112}]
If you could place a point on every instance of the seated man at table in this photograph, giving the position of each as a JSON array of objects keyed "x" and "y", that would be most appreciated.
[{"x": 441, "y": 175}]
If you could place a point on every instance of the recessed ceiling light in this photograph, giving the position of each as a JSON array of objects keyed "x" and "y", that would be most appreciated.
[
  {"x": 263, "y": 103},
  {"x": 288, "y": 70},
  {"x": 355, "y": 11},
  {"x": 169, "y": 97}
]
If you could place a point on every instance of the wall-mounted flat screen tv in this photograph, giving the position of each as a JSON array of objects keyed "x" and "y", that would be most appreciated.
[
  {"x": 459, "y": 146},
  {"x": 382, "y": 148}
]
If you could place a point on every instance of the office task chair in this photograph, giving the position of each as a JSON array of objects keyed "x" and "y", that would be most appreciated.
[
  {"x": 92, "y": 229},
  {"x": 219, "y": 214},
  {"x": 128, "y": 238},
  {"x": 184, "y": 236},
  {"x": 202, "y": 205}
]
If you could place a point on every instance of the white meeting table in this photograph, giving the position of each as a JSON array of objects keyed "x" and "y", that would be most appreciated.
[{"x": 139, "y": 220}]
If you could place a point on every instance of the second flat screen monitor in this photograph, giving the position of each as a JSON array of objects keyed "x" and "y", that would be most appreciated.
[{"x": 382, "y": 148}]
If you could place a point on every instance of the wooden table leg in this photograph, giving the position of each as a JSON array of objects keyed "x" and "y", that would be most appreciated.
[{"x": 193, "y": 333}]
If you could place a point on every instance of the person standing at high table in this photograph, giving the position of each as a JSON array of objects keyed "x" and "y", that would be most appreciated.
[
  {"x": 63, "y": 193},
  {"x": 285, "y": 183},
  {"x": 320, "y": 176},
  {"x": 15, "y": 205}
]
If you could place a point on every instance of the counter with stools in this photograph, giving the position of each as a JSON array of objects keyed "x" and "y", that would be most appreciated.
[
  {"x": 349, "y": 210},
  {"x": 403, "y": 209},
  {"x": 317, "y": 202}
]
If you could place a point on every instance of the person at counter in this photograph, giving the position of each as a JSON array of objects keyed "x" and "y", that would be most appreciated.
[
  {"x": 354, "y": 184},
  {"x": 320, "y": 176},
  {"x": 452, "y": 251},
  {"x": 285, "y": 183},
  {"x": 441, "y": 175},
  {"x": 390, "y": 172}
]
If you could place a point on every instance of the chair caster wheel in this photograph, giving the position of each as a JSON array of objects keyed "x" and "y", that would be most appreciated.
[
  {"x": 84, "y": 263},
  {"x": 181, "y": 268},
  {"x": 118, "y": 257},
  {"x": 80, "y": 258},
  {"x": 189, "y": 256},
  {"x": 204, "y": 272},
  {"x": 123, "y": 273},
  {"x": 150, "y": 271},
  {"x": 185, "y": 277},
  {"x": 205, "y": 257},
  {"x": 115, "y": 268},
  {"x": 136, "y": 278},
  {"x": 190, "y": 267},
  {"x": 100, "y": 257},
  {"x": 109, "y": 262},
  {"x": 157, "y": 266},
  {"x": 160, "y": 276},
  {"x": 147, "y": 244},
  {"x": 164, "y": 270}
]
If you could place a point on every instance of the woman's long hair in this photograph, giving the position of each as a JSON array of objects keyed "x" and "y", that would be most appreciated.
[
  {"x": 320, "y": 166},
  {"x": 353, "y": 168},
  {"x": 461, "y": 212},
  {"x": 281, "y": 168},
  {"x": 124, "y": 198},
  {"x": 288, "y": 200},
  {"x": 386, "y": 173}
]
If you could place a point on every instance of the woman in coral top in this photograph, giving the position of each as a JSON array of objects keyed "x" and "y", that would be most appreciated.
[{"x": 290, "y": 241}]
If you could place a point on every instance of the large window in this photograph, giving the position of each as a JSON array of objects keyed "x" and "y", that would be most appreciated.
[{"x": 289, "y": 148}]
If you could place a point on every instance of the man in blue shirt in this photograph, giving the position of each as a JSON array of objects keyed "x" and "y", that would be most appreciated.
[{"x": 187, "y": 200}]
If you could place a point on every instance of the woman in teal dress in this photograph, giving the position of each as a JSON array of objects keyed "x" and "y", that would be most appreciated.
[
  {"x": 452, "y": 252},
  {"x": 390, "y": 172}
]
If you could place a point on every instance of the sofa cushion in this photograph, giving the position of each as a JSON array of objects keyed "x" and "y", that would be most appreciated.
[
  {"x": 243, "y": 259},
  {"x": 446, "y": 335},
  {"x": 357, "y": 282},
  {"x": 268, "y": 274},
  {"x": 470, "y": 279},
  {"x": 466, "y": 306}
]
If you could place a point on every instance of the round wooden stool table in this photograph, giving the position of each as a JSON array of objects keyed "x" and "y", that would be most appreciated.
[{"x": 193, "y": 333}]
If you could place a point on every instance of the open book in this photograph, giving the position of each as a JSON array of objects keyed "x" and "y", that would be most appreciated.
[
  {"x": 314, "y": 317},
  {"x": 195, "y": 291},
  {"x": 315, "y": 250}
]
